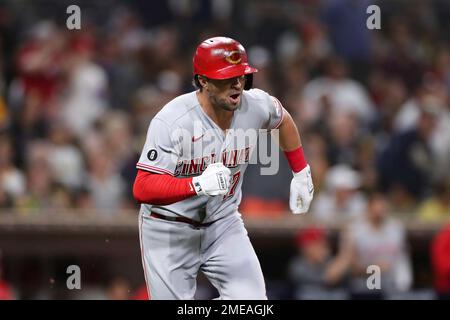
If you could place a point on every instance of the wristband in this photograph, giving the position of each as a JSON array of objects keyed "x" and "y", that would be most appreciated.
[{"x": 296, "y": 159}]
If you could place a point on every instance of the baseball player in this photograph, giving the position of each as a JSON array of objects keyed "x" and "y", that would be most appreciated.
[{"x": 190, "y": 175}]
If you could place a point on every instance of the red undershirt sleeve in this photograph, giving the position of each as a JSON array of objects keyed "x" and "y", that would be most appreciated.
[{"x": 161, "y": 189}]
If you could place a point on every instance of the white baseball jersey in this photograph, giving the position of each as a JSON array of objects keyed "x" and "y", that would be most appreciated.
[
  {"x": 182, "y": 140},
  {"x": 386, "y": 244}
]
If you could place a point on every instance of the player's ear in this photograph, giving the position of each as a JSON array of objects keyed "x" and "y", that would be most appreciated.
[{"x": 202, "y": 82}]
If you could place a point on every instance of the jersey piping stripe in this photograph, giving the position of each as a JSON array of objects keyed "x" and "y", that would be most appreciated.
[
  {"x": 143, "y": 257},
  {"x": 282, "y": 112},
  {"x": 152, "y": 168}
]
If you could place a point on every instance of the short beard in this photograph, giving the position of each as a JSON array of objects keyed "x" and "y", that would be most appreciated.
[{"x": 218, "y": 104}]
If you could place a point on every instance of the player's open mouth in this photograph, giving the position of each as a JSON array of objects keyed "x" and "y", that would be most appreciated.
[{"x": 235, "y": 98}]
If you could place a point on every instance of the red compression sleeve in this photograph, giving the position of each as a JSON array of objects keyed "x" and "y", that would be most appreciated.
[
  {"x": 161, "y": 189},
  {"x": 296, "y": 159}
]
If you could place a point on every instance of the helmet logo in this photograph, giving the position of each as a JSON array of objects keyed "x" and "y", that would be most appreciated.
[{"x": 233, "y": 57}]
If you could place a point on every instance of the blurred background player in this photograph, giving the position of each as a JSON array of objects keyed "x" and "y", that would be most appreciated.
[
  {"x": 314, "y": 273},
  {"x": 377, "y": 239}
]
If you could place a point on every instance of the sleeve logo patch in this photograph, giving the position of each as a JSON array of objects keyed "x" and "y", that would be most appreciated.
[{"x": 152, "y": 154}]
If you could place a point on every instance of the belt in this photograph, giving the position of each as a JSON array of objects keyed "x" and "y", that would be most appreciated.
[{"x": 181, "y": 219}]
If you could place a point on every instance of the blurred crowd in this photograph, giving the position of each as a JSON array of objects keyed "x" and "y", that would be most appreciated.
[{"x": 372, "y": 107}]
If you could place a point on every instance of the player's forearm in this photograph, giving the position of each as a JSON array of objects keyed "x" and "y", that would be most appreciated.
[
  {"x": 161, "y": 189},
  {"x": 291, "y": 144},
  {"x": 288, "y": 133}
]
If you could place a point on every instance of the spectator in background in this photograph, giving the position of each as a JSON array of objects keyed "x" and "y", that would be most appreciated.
[
  {"x": 441, "y": 67},
  {"x": 45, "y": 192},
  {"x": 5, "y": 201},
  {"x": 123, "y": 41},
  {"x": 38, "y": 178},
  {"x": 403, "y": 57},
  {"x": 83, "y": 201},
  {"x": 104, "y": 182},
  {"x": 346, "y": 22},
  {"x": 64, "y": 158},
  {"x": 341, "y": 93},
  {"x": 117, "y": 137},
  {"x": 341, "y": 201},
  {"x": 436, "y": 209},
  {"x": 316, "y": 151},
  {"x": 313, "y": 273},
  {"x": 85, "y": 100},
  {"x": 260, "y": 57},
  {"x": 344, "y": 138},
  {"x": 34, "y": 89},
  {"x": 118, "y": 141},
  {"x": 12, "y": 180},
  {"x": 39, "y": 64},
  {"x": 146, "y": 102},
  {"x": 380, "y": 240},
  {"x": 440, "y": 259},
  {"x": 432, "y": 95},
  {"x": 389, "y": 94},
  {"x": 405, "y": 166}
]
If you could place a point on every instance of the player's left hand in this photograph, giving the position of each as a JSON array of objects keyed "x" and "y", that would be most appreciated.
[{"x": 302, "y": 191}]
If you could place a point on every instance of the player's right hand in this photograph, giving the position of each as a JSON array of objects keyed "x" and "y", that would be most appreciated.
[{"x": 214, "y": 181}]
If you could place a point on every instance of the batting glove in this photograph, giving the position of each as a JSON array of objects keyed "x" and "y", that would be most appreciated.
[
  {"x": 214, "y": 181},
  {"x": 302, "y": 191}
]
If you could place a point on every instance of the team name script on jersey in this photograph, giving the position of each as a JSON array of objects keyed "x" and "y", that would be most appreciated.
[{"x": 229, "y": 158}]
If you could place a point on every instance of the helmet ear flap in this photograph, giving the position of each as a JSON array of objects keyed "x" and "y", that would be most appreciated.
[
  {"x": 248, "y": 81},
  {"x": 196, "y": 82}
]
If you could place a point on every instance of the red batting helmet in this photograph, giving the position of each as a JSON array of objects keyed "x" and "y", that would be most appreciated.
[{"x": 221, "y": 58}]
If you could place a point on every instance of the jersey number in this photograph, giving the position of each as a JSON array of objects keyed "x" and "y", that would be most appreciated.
[{"x": 234, "y": 183}]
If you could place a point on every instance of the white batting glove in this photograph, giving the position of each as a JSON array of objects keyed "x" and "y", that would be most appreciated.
[
  {"x": 214, "y": 181},
  {"x": 302, "y": 191}
]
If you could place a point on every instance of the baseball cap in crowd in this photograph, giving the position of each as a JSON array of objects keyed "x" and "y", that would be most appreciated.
[
  {"x": 309, "y": 235},
  {"x": 342, "y": 177}
]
